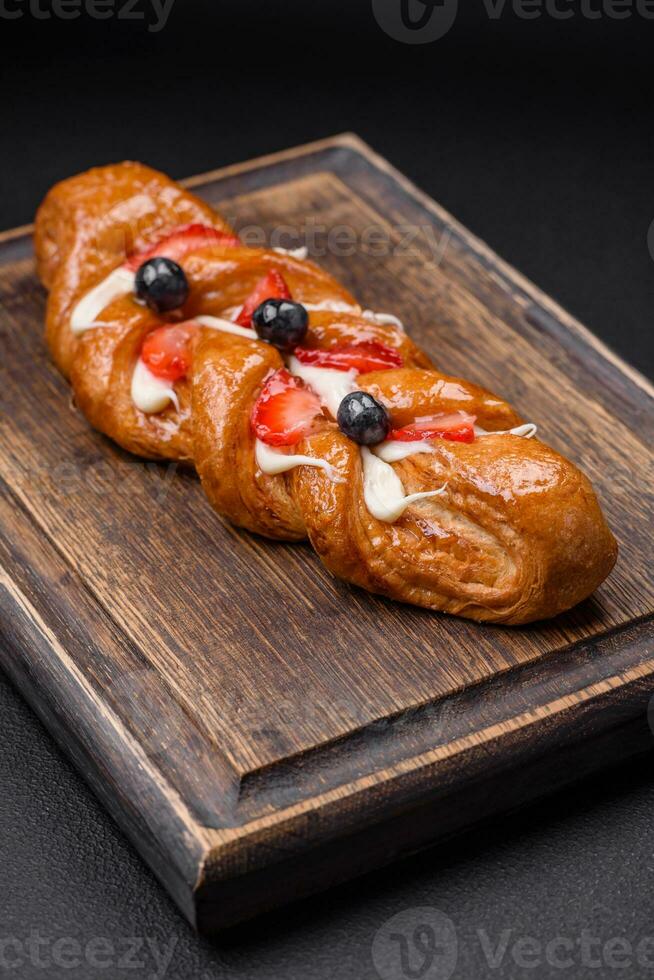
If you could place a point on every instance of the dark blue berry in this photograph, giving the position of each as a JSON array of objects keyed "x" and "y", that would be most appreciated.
[
  {"x": 161, "y": 284},
  {"x": 281, "y": 322},
  {"x": 363, "y": 419}
]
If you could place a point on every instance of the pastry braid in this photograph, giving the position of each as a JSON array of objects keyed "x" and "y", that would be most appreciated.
[{"x": 427, "y": 489}]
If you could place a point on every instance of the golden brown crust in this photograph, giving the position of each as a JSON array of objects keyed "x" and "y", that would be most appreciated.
[
  {"x": 101, "y": 378},
  {"x": 228, "y": 375},
  {"x": 87, "y": 225},
  {"x": 409, "y": 394},
  {"x": 517, "y": 536},
  {"x": 221, "y": 278},
  {"x": 327, "y": 330}
]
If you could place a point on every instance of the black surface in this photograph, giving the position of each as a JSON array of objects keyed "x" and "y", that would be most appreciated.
[{"x": 537, "y": 134}]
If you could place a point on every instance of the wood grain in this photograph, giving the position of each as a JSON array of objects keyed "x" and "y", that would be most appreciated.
[{"x": 256, "y": 726}]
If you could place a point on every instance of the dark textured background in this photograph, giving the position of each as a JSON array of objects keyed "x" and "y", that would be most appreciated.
[{"x": 537, "y": 134}]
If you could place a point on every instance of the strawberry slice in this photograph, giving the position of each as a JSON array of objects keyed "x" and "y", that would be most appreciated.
[
  {"x": 166, "y": 351},
  {"x": 285, "y": 410},
  {"x": 272, "y": 286},
  {"x": 457, "y": 426},
  {"x": 367, "y": 355},
  {"x": 180, "y": 242}
]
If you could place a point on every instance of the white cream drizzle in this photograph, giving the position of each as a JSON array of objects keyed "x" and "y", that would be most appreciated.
[
  {"x": 393, "y": 450},
  {"x": 218, "y": 323},
  {"x": 382, "y": 496},
  {"x": 384, "y": 319},
  {"x": 383, "y": 491},
  {"x": 527, "y": 430},
  {"x": 149, "y": 393},
  {"x": 331, "y": 306},
  {"x": 117, "y": 283},
  {"x": 273, "y": 461},
  {"x": 338, "y": 306},
  {"x": 330, "y": 386},
  {"x": 152, "y": 394},
  {"x": 296, "y": 253}
]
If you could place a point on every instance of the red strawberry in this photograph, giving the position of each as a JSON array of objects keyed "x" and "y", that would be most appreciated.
[
  {"x": 166, "y": 351},
  {"x": 458, "y": 426},
  {"x": 180, "y": 242},
  {"x": 272, "y": 286},
  {"x": 367, "y": 355},
  {"x": 285, "y": 410}
]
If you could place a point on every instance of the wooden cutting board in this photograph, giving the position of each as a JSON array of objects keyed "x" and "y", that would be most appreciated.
[{"x": 259, "y": 729}]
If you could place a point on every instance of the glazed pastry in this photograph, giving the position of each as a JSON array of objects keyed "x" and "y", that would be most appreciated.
[{"x": 305, "y": 415}]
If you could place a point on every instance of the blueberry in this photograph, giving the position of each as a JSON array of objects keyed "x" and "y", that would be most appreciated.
[
  {"x": 363, "y": 419},
  {"x": 281, "y": 322},
  {"x": 161, "y": 284}
]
